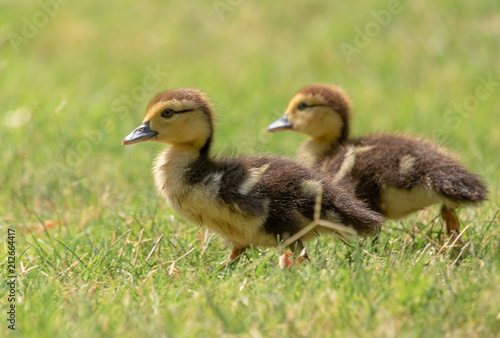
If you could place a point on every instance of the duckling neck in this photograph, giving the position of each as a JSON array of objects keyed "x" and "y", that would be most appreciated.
[
  {"x": 182, "y": 153},
  {"x": 172, "y": 166},
  {"x": 315, "y": 150}
]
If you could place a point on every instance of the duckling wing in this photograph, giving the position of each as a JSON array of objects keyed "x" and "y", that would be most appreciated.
[
  {"x": 281, "y": 194},
  {"x": 373, "y": 163},
  {"x": 239, "y": 187},
  {"x": 290, "y": 191},
  {"x": 406, "y": 163},
  {"x": 230, "y": 183}
]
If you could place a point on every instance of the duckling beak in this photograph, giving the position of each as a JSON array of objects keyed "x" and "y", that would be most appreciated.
[
  {"x": 280, "y": 124},
  {"x": 140, "y": 134}
]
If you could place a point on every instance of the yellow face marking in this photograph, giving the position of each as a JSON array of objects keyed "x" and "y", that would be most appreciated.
[
  {"x": 254, "y": 176},
  {"x": 320, "y": 121},
  {"x": 309, "y": 99},
  {"x": 174, "y": 104},
  {"x": 191, "y": 127}
]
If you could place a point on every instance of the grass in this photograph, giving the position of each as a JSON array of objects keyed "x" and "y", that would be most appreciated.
[{"x": 98, "y": 253}]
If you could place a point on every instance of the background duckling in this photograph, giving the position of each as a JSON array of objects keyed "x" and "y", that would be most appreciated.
[
  {"x": 250, "y": 201},
  {"x": 395, "y": 174}
]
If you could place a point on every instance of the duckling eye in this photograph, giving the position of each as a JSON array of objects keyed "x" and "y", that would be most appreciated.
[
  {"x": 167, "y": 113},
  {"x": 302, "y": 106}
]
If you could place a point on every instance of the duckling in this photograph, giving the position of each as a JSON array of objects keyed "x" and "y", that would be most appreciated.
[
  {"x": 250, "y": 201},
  {"x": 396, "y": 175}
]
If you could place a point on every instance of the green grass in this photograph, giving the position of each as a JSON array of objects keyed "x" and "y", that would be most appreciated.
[{"x": 95, "y": 270}]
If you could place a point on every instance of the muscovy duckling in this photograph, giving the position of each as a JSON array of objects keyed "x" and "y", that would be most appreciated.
[
  {"x": 250, "y": 201},
  {"x": 396, "y": 175}
]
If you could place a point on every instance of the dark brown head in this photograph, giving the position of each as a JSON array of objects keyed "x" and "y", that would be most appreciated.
[
  {"x": 179, "y": 116},
  {"x": 321, "y": 111}
]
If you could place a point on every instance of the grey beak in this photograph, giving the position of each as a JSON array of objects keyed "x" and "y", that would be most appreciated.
[
  {"x": 140, "y": 134},
  {"x": 280, "y": 124}
]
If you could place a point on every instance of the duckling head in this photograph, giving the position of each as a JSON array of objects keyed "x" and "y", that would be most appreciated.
[
  {"x": 177, "y": 117},
  {"x": 321, "y": 111}
]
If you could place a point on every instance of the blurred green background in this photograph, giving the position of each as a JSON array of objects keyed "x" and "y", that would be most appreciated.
[
  {"x": 75, "y": 78},
  {"x": 250, "y": 57}
]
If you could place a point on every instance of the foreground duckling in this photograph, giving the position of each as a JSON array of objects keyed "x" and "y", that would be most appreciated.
[
  {"x": 250, "y": 201},
  {"x": 396, "y": 175}
]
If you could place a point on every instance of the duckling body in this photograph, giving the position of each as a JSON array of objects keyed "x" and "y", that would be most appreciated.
[
  {"x": 396, "y": 175},
  {"x": 250, "y": 201}
]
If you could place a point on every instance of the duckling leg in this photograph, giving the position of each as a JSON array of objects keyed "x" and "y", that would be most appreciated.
[
  {"x": 236, "y": 253},
  {"x": 233, "y": 257},
  {"x": 286, "y": 260},
  {"x": 452, "y": 224},
  {"x": 299, "y": 248}
]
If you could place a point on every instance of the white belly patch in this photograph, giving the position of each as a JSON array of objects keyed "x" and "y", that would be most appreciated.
[{"x": 396, "y": 203}]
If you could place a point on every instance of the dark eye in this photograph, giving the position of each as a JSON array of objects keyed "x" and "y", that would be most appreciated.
[
  {"x": 167, "y": 113},
  {"x": 302, "y": 106}
]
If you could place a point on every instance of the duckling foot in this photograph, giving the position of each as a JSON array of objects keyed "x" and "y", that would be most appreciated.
[
  {"x": 233, "y": 257},
  {"x": 287, "y": 261},
  {"x": 452, "y": 225}
]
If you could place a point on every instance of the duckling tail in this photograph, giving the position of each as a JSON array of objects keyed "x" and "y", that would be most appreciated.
[
  {"x": 460, "y": 185},
  {"x": 354, "y": 213}
]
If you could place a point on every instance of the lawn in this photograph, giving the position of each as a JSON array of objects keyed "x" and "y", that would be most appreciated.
[{"x": 98, "y": 254}]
